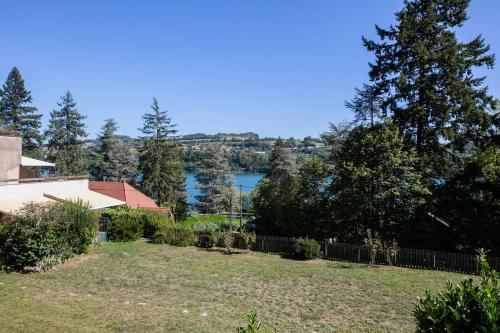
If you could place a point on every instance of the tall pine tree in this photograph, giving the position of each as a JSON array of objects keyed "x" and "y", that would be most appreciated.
[
  {"x": 425, "y": 78},
  {"x": 64, "y": 135},
  {"x": 214, "y": 181},
  {"x": 160, "y": 162},
  {"x": 16, "y": 114},
  {"x": 112, "y": 158}
]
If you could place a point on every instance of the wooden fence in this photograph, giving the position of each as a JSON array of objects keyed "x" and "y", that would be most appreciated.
[{"x": 410, "y": 258}]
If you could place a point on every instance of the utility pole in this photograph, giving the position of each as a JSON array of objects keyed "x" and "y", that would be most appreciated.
[
  {"x": 241, "y": 210},
  {"x": 231, "y": 212}
]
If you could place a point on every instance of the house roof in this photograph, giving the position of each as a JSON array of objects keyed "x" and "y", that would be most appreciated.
[
  {"x": 31, "y": 162},
  {"x": 15, "y": 196},
  {"x": 124, "y": 192}
]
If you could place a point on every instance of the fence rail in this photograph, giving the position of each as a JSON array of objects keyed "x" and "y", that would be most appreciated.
[{"x": 406, "y": 257}]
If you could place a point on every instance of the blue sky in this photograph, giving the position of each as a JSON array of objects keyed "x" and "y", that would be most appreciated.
[{"x": 273, "y": 67}]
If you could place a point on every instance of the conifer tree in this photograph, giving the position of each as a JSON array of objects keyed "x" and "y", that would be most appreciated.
[
  {"x": 160, "y": 162},
  {"x": 16, "y": 114},
  {"x": 113, "y": 159},
  {"x": 65, "y": 135},
  {"x": 425, "y": 78},
  {"x": 281, "y": 163},
  {"x": 214, "y": 181}
]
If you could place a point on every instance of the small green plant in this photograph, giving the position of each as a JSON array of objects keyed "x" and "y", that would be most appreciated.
[
  {"x": 227, "y": 240},
  {"x": 374, "y": 245},
  {"x": 253, "y": 325},
  {"x": 468, "y": 307},
  {"x": 306, "y": 248},
  {"x": 390, "y": 251},
  {"x": 249, "y": 238},
  {"x": 208, "y": 238}
]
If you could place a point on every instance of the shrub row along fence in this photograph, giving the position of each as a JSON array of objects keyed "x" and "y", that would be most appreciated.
[{"x": 410, "y": 258}]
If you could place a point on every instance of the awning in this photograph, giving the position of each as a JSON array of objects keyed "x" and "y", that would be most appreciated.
[
  {"x": 94, "y": 199},
  {"x": 15, "y": 196},
  {"x": 31, "y": 162}
]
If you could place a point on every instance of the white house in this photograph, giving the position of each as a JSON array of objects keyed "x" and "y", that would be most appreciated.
[{"x": 18, "y": 185}]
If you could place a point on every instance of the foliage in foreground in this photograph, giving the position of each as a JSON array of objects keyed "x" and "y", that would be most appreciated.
[
  {"x": 42, "y": 235},
  {"x": 253, "y": 325},
  {"x": 468, "y": 307},
  {"x": 306, "y": 248}
]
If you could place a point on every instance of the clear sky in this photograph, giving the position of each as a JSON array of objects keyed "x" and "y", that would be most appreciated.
[{"x": 273, "y": 67}]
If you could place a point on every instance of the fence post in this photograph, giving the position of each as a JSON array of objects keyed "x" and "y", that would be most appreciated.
[{"x": 434, "y": 260}]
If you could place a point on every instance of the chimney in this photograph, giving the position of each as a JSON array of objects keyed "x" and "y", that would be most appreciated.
[{"x": 10, "y": 156}]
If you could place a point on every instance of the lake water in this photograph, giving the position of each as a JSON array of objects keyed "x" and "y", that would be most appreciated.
[{"x": 248, "y": 180}]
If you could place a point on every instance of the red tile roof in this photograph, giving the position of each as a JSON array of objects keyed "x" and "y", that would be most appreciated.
[{"x": 124, "y": 192}]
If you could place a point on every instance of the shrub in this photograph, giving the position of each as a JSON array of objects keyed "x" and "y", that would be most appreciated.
[
  {"x": 468, "y": 307},
  {"x": 253, "y": 325},
  {"x": 208, "y": 238},
  {"x": 174, "y": 236},
  {"x": 249, "y": 238},
  {"x": 153, "y": 221},
  {"x": 306, "y": 248},
  {"x": 390, "y": 250},
  {"x": 123, "y": 225},
  {"x": 374, "y": 244},
  {"x": 41, "y": 235},
  {"x": 227, "y": 240},
  {"x": 78, "y": 227}
]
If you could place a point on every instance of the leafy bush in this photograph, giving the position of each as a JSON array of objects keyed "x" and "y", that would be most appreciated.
[
  {"x": 208, "y": 238},
  {"x": 78, "y": 227},
  {"x": 253, "y": 325},
  {"x": 306, "y": 248},
  {"x": 373, "y": 243},
  {"x": 249, "y": 238},
  {"x": 174, "y": 236},
  {"x": 153, "y": 221},
  {"x": 468, "y": 307},
  {"x": 227, "y": 239},
  {"x": 123, "y": 224},
  {"x": 41, "y": 235}
]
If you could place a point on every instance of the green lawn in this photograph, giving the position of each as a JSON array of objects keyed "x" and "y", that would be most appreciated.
[{"x": 134, "y": 287}]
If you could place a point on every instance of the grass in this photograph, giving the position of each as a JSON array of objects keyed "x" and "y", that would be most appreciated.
[{"x": 130, "y": 287}]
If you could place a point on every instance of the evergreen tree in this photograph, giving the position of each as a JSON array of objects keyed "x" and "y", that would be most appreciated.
[
  {"x": 64, "y": 135},
  {"x": 281, "y": 164},
  {"x": 113, "y": 159},
  {"x": 366, "y": 105},
  {"x": 17, "y": 115},
  {"x": 160, "y": 161},
  {"x": 376, "y": 183},
  {"x": 214, "y": 181},
  {"x": 275, "y": 193},
  {"x": 425, "y": 78}
]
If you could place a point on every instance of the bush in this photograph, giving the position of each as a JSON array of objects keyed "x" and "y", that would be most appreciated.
[
  {"x": 41, "y": 235},
  {"x": 305, "y": 248},
  {"x": 174, "y": 236},
  {"x": 78, "y": 227},
  {"x": 249, "y": 238},
  {"x": 123, "y": 225},
  {"x": 208, "y": 238},
  {"x": 227, "y": 240},
  {"x": 153, "y": 221},
  {"x": 468, "y": 307}
]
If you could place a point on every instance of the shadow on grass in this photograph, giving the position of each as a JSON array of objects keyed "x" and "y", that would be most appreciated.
[
  {"x": 352, "y": 266},
  {"x": 220, "y": 250}
]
